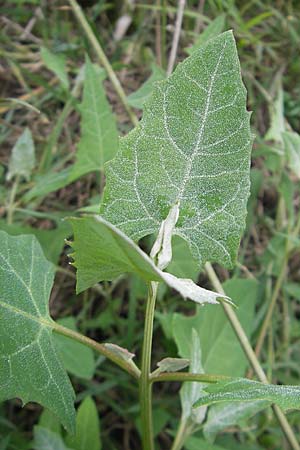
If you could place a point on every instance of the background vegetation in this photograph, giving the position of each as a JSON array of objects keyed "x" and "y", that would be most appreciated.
[{"x": 43, "y": 51}]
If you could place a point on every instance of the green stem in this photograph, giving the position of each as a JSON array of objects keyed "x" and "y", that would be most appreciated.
[
  {"x": 103, "y": 59},
  {"x": 103, "y": 349},
  {"x": 11, "y": 206},
  {"x": 145, "y": 381},
  {"x": 243, "y": 339},
  {"x": 181, "y": 436}
]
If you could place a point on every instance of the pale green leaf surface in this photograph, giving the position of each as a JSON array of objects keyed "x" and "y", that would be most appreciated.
[
  {"x": 195, "y": 443},
  {"x": 192, "y": 391},
  {"x": 77, "y": 358},
  {"x": 30, "y": 368},
  {"x": 222, "y": 416},
  {"x": 22, "y": 159},
  {"x": 213, "y": 29},
  {"x": 102, "y": 252},
  {"x": 292, "y": 148},
  {"x": 99, "y": 136},
  {"x": 242, "y": 389},
  {"x": 171, "y": 365},
  {"x": 57, "y": 64},
  {"x": 87, "y": 435},
  {"x": 45, "y": 439},
  {"x": 276, "y": 114},
  {"x": 139, "y": 97},
  {"x": 192, "y": 147},
  {"x": 221, "y": 352},
  {"x": 52, "y": 241}
]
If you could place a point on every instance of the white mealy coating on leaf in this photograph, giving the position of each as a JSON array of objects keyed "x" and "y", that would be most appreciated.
[{"x": 193, "y": 147}]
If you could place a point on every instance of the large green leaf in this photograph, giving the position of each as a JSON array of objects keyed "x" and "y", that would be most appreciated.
[
  {"x": 30, "y": 368},
  {"x": 242, "y": 389},
  {"x": 99, "y": 137},
  {"x": 193, "y": 148},
  {"x": 102, "y": 252},
  {"x": 52, "y": 241},
  {"x": 221, "y": 352}
]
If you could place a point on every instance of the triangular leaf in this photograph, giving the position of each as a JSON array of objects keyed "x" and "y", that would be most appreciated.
[
  {"x": 29, "y": 366},
  {"x": 22, "y": 159},
  {"x": 193, "y": 148},
  {"x": 102, "y": 252},
  {"x": 242, "y": 389},
  {"x": 99, "y": 136}
]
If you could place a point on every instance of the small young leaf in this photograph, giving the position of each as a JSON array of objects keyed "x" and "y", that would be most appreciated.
[
  {"x": 292, "y": 148},
  {"x": 213, "y": 29},
  {"x": 87, "y": 428},
  {"x": 172, "y": 365},
  {"x": 57, "y": 64},
  {"x": 192, "y": 148},
  {"x": 102, "y": 252},
  {"x": 138, "y": 98},
  {"x": 22, "y": 159},
  {"x": 242, "y": 389},
  {"x": 30, "y": 368},
  {"x": 99, "y": 136},
  {"x": 77, "y": 358}
]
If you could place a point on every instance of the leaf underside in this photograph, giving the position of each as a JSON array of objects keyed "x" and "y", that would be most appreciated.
[
  {"x": 193, "y": 147},
  {"x": 103, "y": 252},
  {"x": 242, "y": 389},
  {"x": 29, "y": 366}
]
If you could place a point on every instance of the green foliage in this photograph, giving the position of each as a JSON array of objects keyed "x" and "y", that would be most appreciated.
[
  {"x": 99, "y": 138},
  {"x": 77, "y": 358},
  {"x": 102, "y": 252},
  {"x": 57, "y": 64},
  {"x": 139, "y": 97},
  {"x": 87, "y": 435},
  {"x": 237, "y": 390},
  {"x": 292, "y": 148},
  {"x": 27, "y": 346},
  {"x": 212, "y": 30},
  {"x": 45, "y": 439},
  {"x": 201, "y": 164},
  {"x": 22, "y": 159}
]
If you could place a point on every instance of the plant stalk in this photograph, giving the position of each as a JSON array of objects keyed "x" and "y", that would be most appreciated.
[
  {"x": 145, "y": 381},
  {"x": 11, "y": 204},
  {"x": 103, "y": 59},
  {"x": 243, "y": 339},
  {"x": 126, "y": 364}
]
